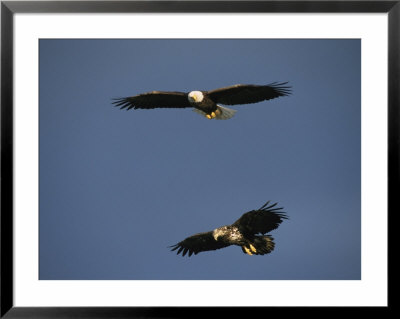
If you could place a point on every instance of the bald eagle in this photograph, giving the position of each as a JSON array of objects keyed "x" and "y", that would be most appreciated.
[
  {"x": 206, "y": 103},
  {"x": 248, "y": 232}
]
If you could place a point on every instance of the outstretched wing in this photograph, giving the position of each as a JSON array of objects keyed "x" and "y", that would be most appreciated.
[
  {"x": 197, "y": 243},
  {"x": 154, "y": 99},
  {"x": 247, "y": 93},
  {"x": 262, "y": 220}
]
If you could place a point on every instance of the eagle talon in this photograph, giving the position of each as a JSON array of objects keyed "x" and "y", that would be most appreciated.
[
  {"x": 213, "y": 115},
  {"x": 209, "y": 116},
  {"x": 253, "y": 249},
  {"x": 248, "y": 251}
]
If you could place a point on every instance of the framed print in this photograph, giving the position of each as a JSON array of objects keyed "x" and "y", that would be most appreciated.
[{"x": 165, "y": 157}]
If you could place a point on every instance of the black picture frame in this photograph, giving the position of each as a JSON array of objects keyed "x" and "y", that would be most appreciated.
[{"x": 9, "y": 8}]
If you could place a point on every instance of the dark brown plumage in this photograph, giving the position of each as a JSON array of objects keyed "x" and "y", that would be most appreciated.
[{"x": 248, "y": 232}]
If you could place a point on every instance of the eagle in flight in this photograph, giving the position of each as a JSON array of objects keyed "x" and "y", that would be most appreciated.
[
  {"x": 206, "y": 103},
  {"x": 248, "y": 232}
]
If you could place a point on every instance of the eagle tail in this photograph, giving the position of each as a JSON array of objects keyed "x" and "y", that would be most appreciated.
[
  {"x": 224, "y": 113},
  {"x": 260, "y": 246}
]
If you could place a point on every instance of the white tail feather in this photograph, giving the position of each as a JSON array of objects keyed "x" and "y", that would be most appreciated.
[{"x": 223, "y": 113}]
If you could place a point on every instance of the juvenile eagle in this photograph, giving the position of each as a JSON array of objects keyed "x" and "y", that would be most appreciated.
[
  {"x": 206, "y": 102},
  {"x": 245, "y": 232}
]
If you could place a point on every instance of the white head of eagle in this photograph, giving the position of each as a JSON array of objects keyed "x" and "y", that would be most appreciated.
[{"x": 195, "y": 97}]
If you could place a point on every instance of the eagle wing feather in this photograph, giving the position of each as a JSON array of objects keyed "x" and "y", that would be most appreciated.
[
  {"x": 262, "y": 220},
  {"x": 154, "y": 99},
  {"x": 197, "y": 243},
  {"x": 248, "y": 93}
]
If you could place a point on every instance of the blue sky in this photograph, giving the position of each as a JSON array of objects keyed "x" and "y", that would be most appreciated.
[{"x": 118, "y": 187}]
